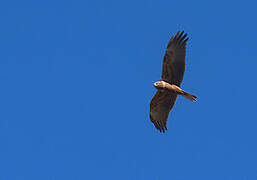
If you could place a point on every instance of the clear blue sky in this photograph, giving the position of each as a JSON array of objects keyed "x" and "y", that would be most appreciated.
[{"x": 77, "y": 78}]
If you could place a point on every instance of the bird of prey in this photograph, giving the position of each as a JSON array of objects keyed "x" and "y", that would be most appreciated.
[{"x": 169, "y": 86}]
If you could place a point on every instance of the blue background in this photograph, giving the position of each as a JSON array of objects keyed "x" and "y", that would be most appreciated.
[{"x": 76, "y": 79}]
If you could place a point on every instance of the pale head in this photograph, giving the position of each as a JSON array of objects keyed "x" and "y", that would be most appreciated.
[{"x": 159, "y": 84}]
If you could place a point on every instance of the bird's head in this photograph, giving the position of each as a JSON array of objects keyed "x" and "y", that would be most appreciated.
[{"x": 159, "y": 85}]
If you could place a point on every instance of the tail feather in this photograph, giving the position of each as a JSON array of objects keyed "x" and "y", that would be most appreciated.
[{"x": 191, "y": 97}]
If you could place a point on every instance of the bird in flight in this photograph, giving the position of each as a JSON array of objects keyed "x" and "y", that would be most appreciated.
[{"x": 168, "y": 87}]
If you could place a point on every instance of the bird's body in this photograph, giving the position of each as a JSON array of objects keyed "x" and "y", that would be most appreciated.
[
  {"x": 169, "y": 86},
  {"x": 162, "y": 85}
]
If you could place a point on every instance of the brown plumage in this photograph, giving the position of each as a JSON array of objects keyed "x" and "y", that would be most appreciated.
[{"x": 169, "y": 86}]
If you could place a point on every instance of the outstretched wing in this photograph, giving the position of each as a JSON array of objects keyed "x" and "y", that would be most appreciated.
[
  {"x": 174, "y": 60},
  {"x": 160, "y": 107}
]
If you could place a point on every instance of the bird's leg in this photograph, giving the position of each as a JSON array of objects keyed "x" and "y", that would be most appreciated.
[{"x": 174, "y": 88}]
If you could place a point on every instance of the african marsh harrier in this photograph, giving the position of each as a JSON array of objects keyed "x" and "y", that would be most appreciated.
[{"x": 169, "y": 86}]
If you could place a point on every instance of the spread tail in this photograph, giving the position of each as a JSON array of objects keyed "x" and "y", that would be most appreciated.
[{"x": 191, "y": 97}]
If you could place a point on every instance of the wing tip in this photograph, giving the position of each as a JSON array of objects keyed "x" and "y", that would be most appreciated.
[
  {"x": 179, "y": 38},
  {"x": 160, "y": 127}
]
